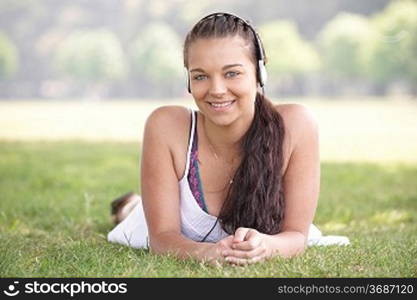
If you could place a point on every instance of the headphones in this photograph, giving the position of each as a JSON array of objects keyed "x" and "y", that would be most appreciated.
[{"x": 260, "y": 68}]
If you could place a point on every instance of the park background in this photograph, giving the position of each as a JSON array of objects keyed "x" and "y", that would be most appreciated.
[{"x": 79, "y": 78}]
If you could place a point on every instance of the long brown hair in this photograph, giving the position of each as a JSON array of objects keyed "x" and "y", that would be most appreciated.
[{"x": 255, "y": 198}]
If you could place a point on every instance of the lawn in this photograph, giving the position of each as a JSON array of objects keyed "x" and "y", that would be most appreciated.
[{"x": 55, "y": 195}]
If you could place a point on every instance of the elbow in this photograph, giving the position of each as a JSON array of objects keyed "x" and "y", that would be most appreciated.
[
  {"x": 288, "y": 244},
  {"x": 154, "y": 248},
  {"x": 301, "y": 244},
  {"x": 302, "y": 247},
  {"x": 162, "y": 243},
  {"x": 156, "y": 244}
]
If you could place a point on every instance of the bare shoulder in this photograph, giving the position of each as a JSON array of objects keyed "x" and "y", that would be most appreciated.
[
  {"x": 296, "y": 113},
  {"x": 299, "y": 123},
  {"x": 298, "y": 119},
  {"x": 168, "y": 115},
  {"x": 167, "y": 122},
  {"x": 170, "y": 124}
]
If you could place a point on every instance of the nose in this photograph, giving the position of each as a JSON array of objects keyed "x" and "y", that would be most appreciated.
[{"x": 217, "y": 88}]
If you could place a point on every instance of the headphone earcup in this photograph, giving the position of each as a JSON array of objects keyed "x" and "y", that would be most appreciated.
[
  {"x": 263, "y": 75},
  {"x": 188, "y": 84},
  {"x": 187, "y": 78}
]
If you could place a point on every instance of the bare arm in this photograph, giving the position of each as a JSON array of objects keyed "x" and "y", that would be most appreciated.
[
  {"x": 160, "y": 190},
  {"x": 301, "y": 183}
]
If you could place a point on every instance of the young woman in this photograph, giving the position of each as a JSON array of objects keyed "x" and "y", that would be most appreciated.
[{"x": 235, "y": 181}]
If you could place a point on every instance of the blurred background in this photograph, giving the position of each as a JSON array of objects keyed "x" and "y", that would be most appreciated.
[
  {"x": 94, "y": 69},
  {"x": 133, "y": 48}
]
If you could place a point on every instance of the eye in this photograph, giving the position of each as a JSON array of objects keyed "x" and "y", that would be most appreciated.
[
  {"x": 232, "y": 74},
  {"x": 199, "y": 77}
]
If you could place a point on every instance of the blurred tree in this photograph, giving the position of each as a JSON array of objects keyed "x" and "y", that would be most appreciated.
[
  {"x": 393, "y": 51},
  {"x": 156, "y": 55},
  {"x": 41, "y": 24},
  {"x": 290, "y": 58},
  {"x": 343, "y": 41},
  {"x": 9, "y": 59},
  {"x": 93, "y": 59},
  {"x": 286, "y": 51},
  {"x": 91, "y": 55}
]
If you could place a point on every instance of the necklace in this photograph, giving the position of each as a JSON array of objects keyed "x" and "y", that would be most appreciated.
[{"x": 230, "y": 164}]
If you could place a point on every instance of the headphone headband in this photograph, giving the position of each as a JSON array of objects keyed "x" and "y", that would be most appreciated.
[{"x": 247, "y": 23}]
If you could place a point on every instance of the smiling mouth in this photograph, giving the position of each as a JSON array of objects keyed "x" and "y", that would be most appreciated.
[{"x": 222, "y": 104}]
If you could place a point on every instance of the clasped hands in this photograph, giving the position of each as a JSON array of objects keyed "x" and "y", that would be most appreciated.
[{"x": 246, "y": 246}]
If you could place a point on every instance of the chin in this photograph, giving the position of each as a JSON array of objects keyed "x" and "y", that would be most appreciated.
[{"x": 226, "y": 120}]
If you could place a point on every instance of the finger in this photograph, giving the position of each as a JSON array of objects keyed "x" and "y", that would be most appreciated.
[
  {"x": 240, "y": 234},
  {"x": 244, "y": 254},
  {"x": 236, "y": 261},
  {"x": 244, "y": 261},
  {"x": 252, "y": 240},
  {"x": 227, "y": 242},
  {"x": 256, "y": 259}
]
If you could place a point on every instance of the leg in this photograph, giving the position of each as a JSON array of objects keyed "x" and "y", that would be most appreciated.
[
  {"x": 122, "y": 206},
  {"x": 132, "y": 229}
]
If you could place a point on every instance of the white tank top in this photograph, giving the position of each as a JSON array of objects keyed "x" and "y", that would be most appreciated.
[{"x": 196, "y": 224}]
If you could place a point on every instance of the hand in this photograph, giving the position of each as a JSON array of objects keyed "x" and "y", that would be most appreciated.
[
  {"x": 248, "y": 246},
  {"x": 213, "y": 252}
]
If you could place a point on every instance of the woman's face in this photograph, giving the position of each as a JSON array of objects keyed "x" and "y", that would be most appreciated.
[{"x": 223, "y": 79}]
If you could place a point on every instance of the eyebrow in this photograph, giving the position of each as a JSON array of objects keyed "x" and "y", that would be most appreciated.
[{"x": 224, "y": 67}]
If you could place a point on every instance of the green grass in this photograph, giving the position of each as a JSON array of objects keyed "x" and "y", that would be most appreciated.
[{"x": 54, "y": 217}]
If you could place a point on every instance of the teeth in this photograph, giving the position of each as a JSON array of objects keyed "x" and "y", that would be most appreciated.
[{"x": 221, "y": 104}]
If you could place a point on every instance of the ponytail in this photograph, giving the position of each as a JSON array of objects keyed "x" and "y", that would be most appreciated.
[{"x": 255, "y": 199}]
